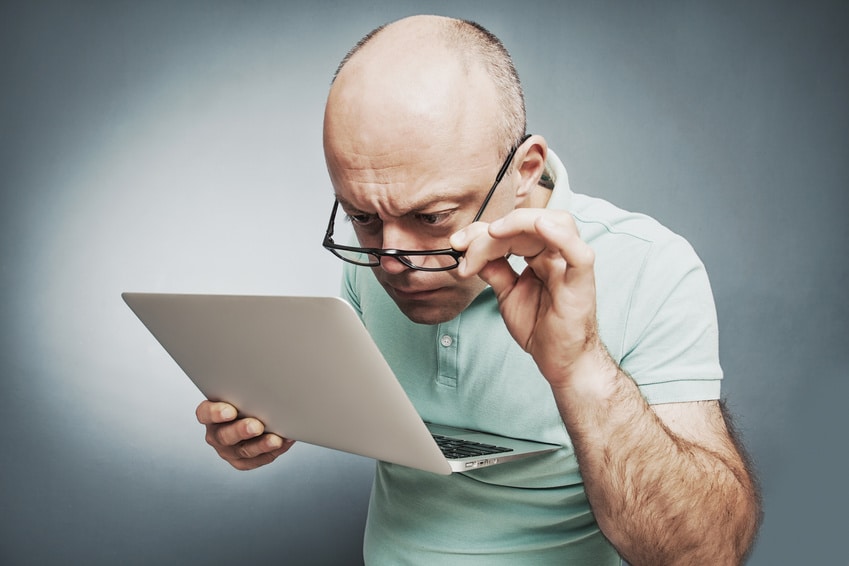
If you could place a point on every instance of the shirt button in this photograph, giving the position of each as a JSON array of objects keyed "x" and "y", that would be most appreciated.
[{"x": 446, "y": 341}]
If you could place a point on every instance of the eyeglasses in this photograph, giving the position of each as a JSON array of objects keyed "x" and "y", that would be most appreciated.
[{"x": 422, "y": 260}]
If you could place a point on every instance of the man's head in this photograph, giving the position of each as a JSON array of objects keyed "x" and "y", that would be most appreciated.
[{"x": 420, "y": 115}]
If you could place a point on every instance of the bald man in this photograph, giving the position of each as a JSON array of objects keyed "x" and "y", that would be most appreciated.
[{"x": 505, "y": 302}]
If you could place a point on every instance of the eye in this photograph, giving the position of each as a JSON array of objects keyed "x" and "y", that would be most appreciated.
[
  {"x": 362, "y": 219},
  {"x": 433, "y": 218}
]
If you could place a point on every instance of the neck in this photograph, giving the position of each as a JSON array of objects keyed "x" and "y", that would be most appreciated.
[{"x": 537, "y": 198}]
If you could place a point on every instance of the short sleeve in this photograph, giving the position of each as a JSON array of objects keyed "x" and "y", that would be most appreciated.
[{"x": 671, "y": 342}]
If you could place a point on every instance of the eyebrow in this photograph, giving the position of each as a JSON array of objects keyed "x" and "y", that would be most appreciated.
[{"x": 424, "y": 204}]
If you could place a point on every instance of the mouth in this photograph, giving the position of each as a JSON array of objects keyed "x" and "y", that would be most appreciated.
[{"x": 413, "y": 294}]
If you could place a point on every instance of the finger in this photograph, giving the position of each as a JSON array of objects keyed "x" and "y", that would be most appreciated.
[
  {"x": 460, "y": 240},
  {"x": 265, "y": 444},
  {"x": 563, "y": 239},
  {"x": 212, "y": 412},
  {"x": 550, "y": 242},
  {"x": 513, "y": 234},
  {"x": 230, "y": 434},
  {"x": 523, "y": 220},
  {"x": 252, "y": 454},
  {"x": 259, "y": 460},
  {"x": 479, "y": 252},
  {"x": 499, "y": 275},
  {"x": 521, "y": 228},
  {"x": 473, "y": 240}
]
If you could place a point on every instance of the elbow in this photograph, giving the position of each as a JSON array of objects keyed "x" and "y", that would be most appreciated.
[{"x": 749, "y": 517}]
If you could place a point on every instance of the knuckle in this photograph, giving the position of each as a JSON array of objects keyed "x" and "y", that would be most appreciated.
[
  {"x": 245, "y": 451},
  {"x": 201, "y": 412},
  {"x": 219, "y": 436},
  {"x": 212, "y": 436},
  {"x": 241, "y": 465},
  {"x": 589, "y": 255}
]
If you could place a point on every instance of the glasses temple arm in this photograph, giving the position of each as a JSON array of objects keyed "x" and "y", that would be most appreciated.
[{"x": 500, "y": 176}]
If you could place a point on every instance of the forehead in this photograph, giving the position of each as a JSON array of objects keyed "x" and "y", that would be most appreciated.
[{"x": 396, "y": 182}]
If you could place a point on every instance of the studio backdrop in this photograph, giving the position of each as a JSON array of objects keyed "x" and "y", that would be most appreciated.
[{"x": 176, "y": 147}]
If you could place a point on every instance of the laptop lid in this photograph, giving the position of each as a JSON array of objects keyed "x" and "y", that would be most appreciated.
[{"x": 309, "y": 370}]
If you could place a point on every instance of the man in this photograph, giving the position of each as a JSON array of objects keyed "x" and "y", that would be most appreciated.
[{"x": 567, "y": 320}]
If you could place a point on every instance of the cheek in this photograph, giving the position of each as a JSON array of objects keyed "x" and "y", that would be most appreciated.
[
  {"x": 503, "y": 203},
  {"x": 467, "y": 289}
]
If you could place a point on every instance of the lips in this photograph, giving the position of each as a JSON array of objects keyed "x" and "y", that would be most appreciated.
[{"x": 412, "y": 293}]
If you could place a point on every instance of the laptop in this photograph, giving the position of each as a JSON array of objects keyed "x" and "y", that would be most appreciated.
[{"x": 309, "y": 370}]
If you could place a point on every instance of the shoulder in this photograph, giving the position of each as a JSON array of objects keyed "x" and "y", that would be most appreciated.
[
  {"x": 655, "y": 305},
  {"x": 636, "y": 252},
  {"x": 602, "y": 223}
]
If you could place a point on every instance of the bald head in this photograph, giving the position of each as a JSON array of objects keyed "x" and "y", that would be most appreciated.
[
  {"x": 428, "y": 76},
  {"x": 419, "y": 119}
]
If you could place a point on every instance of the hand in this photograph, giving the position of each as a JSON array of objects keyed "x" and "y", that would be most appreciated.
[
  {"x": 241, "y": 442},
  {"x": 550, "y": 308}
]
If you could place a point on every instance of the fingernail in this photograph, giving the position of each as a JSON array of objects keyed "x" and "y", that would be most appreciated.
[
  {"x": 461, "y": 266},
  {"x": 228, "y": 413},
  {"x": 254, "y": 427}
]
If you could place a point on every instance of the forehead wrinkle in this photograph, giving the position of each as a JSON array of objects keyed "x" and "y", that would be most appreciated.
[
  {"x": 389, "y": 203},
  {"x": 395, "y": 183},
  {"x": 371, "y": 167},
  {"x": 396, "y": 203}
]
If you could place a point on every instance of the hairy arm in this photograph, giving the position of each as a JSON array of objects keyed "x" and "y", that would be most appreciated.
[{"x": 667, "y": 483}]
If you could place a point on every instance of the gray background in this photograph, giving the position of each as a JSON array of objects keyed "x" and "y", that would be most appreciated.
[{"x": 154, "y": 147}]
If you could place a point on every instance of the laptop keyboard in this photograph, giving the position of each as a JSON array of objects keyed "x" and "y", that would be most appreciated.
[{"x": 453, "y": 448}]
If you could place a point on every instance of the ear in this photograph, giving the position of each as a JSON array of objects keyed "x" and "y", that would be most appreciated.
[{"x": 529, "y": 166}]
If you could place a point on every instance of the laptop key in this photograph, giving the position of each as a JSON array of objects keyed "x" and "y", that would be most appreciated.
[{"x": 453, "y": 448}]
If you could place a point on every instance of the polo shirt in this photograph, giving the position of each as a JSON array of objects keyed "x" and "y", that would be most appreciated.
[{"x": 656, "y": 316}]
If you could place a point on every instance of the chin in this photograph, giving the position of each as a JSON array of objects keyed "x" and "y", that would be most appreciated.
[
  {"x": 429, "y": 314},
  {"x": 434, "y": 311},
  {"x": 441, "y": 305}
]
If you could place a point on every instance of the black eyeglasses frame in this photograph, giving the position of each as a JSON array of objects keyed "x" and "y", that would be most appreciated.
[{"x": 401, "y": 255}]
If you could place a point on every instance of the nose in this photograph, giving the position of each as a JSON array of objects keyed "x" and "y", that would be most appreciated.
[
  {"x": 395, "y": 238},
  {"x": 392, "y": 266}
]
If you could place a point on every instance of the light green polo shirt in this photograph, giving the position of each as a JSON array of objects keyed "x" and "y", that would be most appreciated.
[{"x": 656, "y": 317}]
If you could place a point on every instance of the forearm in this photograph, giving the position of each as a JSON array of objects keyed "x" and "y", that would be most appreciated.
[
  {"x": 665, "y": 490},
  {"x": 658, "y": 497}
]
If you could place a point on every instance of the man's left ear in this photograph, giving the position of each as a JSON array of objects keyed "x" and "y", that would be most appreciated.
[{"x": 530, "y": 165}]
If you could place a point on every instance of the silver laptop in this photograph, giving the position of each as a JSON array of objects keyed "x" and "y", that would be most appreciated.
[{"x": 309, "y": 370}]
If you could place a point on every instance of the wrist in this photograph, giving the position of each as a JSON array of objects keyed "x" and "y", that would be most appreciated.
[{"x": 592, "y": 378}]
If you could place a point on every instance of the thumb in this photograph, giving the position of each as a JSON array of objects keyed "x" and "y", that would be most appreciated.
[{"x": 500, "y": 276}]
